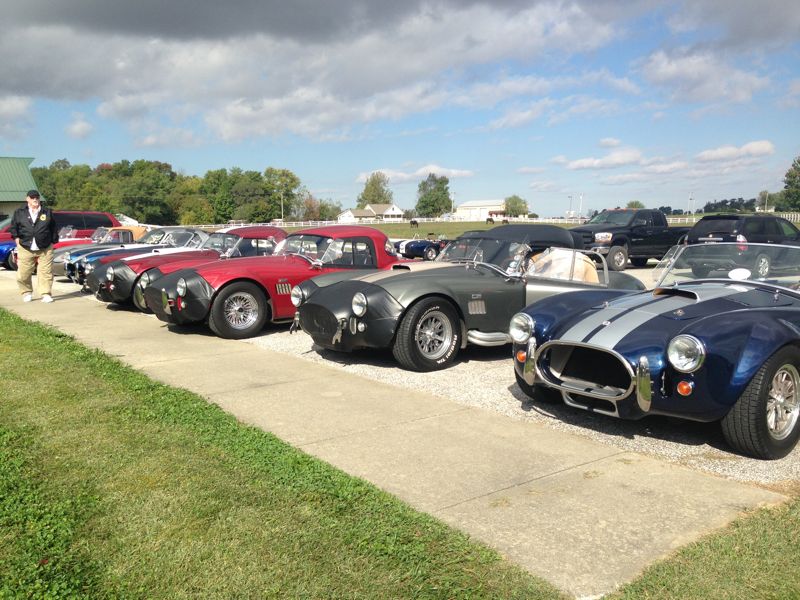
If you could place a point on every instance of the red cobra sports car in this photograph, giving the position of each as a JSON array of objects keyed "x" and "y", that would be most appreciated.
[
  {"x": 124, "y": 280},
  {"x": 238, "y": 297}
]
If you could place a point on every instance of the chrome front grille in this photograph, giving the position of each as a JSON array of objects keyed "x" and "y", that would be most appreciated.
[{"x": 584, "y": 370}]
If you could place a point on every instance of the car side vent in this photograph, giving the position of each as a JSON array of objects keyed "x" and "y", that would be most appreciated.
[{"x": 476, "y": 307}]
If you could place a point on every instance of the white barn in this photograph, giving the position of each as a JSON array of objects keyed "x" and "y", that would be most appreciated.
[{"x": 480, "y": 210}]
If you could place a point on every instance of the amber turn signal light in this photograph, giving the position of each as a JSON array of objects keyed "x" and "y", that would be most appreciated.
[
  {"x": 685, "y": 388},
  {"x": 522, "y": 355}
]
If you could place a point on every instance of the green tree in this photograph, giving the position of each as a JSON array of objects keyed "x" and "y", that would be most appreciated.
[
  {"x": 283, "y": 189},
  {"x": 433, "y": 196},
  {"x": 634, "y": 204},
  {"x": 376, "y": 191},
  {"x": 195, "y": 210},
  {"x": 516, "y": 206},
  {"x": 791, "y": 189}
]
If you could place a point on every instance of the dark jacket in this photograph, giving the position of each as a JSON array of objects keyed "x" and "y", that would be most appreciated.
[{"x": 44, "y": 229}]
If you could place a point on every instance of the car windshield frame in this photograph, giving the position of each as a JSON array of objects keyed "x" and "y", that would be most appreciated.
[{"x": 729, "y": 261}]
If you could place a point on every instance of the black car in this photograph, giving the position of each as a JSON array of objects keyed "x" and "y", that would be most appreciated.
[
  {"x": 741, "y": 229},
  {"x": 426, "y": 312}
]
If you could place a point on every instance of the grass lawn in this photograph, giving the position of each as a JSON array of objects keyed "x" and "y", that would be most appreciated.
[{"x": 114, "y": 486}]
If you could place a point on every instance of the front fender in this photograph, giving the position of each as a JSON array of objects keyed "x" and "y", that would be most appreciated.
[{"x": 738, "y": 344}]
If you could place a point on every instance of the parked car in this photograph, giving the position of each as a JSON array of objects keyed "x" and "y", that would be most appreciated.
[
  {"x": 79, "y": 263},
  {"x": 237, "y": 298},
  {"x": 123, "y": 280},
  {"x": 7, "y": 258},
  {"x": 103, "y": 237},
  {"x": 427, "y": 248},
  {"x": 745, "y": 230},
  {"x": 427, "y": 312},
  {"x": 83, "y": 221},
  {"x": 718, "y": 349},
  {"x": 629, "y": 233}
]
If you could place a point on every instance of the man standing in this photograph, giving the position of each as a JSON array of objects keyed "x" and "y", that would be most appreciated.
[{"x": 35, "y": 232}]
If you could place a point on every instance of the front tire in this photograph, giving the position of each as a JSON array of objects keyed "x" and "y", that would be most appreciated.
[
  {"x": 764, "y": 421},
  {"x": 430, "y": 253},
  {"x": 11, "y": 261},
  {"x": 239, "y": 311},
  {"x": 639, "y": 261},
  {"x": 138, "y": 298},
  {"x": 617, "y": 258},
  {"x": 429, "y": 336},
  {"x": 701, "y": 272}
]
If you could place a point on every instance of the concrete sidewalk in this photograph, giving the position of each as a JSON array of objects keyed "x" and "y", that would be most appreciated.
[{"x": 584, "y": 516}]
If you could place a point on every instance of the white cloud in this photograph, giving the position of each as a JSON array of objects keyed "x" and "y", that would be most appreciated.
[
  {"x": 614, "y": 159},
  {"x": 543, "y": 186},
  {"x": 728, "y": 153},
  {"x": 14, "y": 115},
  {"x": 610, "y": 142},
  {"x": 623, "y": 179},
  {"x": 531, "y": 170},
  {"x": 700, "y": 76},
  {"x": 792, "y": 97},
  {"x": 79, "y": 128},
  {"x": 520, "y": 117},
  {"x": 168, "y": 137},
  {"x": 418, "y": 175}
]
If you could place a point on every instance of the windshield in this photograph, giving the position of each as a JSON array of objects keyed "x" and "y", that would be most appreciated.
[
  {"x": 497, "y": 252},
  {"x": 222, "y": 242},
  {"x": 328, "y": 251},
  {"x": 98, "y": 234},
  {"x": 613, "y": 217},
  {"x": 152, "y": 237},
  {"x": 771, "y": 264}
]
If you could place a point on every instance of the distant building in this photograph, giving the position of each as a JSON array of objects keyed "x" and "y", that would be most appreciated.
[
  {"x": 386, "y": 212},
  {"x": 480, "y": 210},
  {"x": 15, "y": 181}
]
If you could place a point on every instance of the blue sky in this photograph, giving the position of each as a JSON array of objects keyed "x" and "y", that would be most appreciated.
[{"x": 583, "y": 104}]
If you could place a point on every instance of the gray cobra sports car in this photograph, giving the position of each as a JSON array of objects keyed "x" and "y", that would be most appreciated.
[{"x": 426, "y": 312}]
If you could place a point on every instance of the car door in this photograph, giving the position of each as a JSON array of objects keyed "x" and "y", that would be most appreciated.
[{"x": 642, "y": 234}]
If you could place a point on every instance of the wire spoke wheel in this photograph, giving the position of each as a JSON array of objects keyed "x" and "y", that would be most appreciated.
[
  {"x": 240, "y": 310},
  {"x": 783, "y": 404}
]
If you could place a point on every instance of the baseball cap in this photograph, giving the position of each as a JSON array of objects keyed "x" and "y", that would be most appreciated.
[{"x": 33, "y": 194}]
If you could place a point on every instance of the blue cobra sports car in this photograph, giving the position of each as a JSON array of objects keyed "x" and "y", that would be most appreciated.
[
  {"x": 6, "y": 257},
  {"x": 724, "y": 347}
]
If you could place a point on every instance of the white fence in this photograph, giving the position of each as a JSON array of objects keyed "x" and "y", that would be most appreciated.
[{"x": 676, "y": 220}]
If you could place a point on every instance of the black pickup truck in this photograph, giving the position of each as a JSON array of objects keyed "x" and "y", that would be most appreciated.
[{"x": 635, "y": 233}]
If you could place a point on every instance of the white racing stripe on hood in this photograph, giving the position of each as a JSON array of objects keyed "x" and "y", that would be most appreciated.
[
  {"x": 161, "y": 252},
  {"x": 635, "y": 314}
]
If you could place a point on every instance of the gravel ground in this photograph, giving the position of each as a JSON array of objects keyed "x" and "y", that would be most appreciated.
[{"x": 484, "y": 378}]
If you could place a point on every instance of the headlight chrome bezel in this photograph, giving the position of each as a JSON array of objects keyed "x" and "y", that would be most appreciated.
[
  {"x": 144, "y": 279},
  {"x": 521, "y": 328},
  {"x": 359, "y": 304},
  {"x": 180, "y": 287},
  {"x": 686, "y": 353},
  {"x": 297, "y": 296},
  {"x": 110, "y": 273}
]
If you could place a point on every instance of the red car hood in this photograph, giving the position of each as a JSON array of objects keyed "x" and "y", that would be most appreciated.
[
  {"x": 139, "y": 264},
  {"x": 262, "y": 268}
]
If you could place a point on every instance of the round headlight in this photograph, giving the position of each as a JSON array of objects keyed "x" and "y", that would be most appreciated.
[
  {"x": 686, "y": 353},
  {"x": 521, "y": 328},
  {"x": 359, "y": 305},
  {"x": 110, "y": 273},
  {"x": 180, "y": 287},
  {"x": 66, "y": 256},
  {"x": 87, "y": 267},
  {"x": 297, "y": 296},
  {"x": 144, "y": 280}
]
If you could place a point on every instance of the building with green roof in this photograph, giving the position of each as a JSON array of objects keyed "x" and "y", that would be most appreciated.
[{"x": 15, "y": 181}]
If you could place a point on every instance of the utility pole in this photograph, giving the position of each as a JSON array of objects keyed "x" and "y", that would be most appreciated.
[
  {"x": 281, "y": 205},
  {"x": 580, "y": 206},
  {"x": 569, "y": 212}
]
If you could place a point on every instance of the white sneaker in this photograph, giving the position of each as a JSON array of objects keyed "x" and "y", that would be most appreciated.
[
  {"x": 27, "y": 297},
  {"x": 47, "y": 298}
]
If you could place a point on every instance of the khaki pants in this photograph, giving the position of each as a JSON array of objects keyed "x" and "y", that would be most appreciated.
[{"x": 26, "y": 263}]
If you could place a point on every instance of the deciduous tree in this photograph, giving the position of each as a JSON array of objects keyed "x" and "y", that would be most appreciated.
[
  {"x": 376, "y": 191},
  {"x": 516, "y": 206},
  {"x": 433, "y": 196}
]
